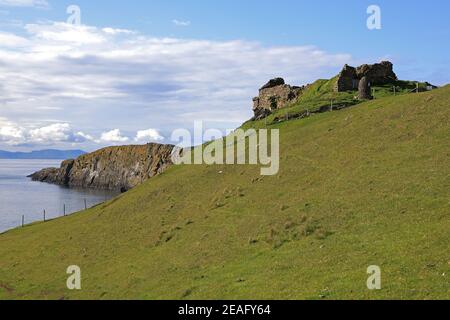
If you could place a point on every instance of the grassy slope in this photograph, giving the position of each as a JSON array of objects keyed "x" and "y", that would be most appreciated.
[
  {"x": 321, "y": 93},
  {"x": 366, "y": 185}
]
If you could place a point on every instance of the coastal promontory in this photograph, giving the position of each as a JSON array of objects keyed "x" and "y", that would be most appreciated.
[{"x": 112, "y": 168}]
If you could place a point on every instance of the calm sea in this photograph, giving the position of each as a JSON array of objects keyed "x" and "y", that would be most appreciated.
[{"x": 21, "y": 196}]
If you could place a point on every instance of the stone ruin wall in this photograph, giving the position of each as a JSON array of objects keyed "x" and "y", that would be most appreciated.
[
  {"x": 276, "y": 94},
  {"x": 376, "y": 74}
]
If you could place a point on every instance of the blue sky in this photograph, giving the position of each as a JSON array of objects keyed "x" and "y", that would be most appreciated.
[{"x": 143, "y": 68}]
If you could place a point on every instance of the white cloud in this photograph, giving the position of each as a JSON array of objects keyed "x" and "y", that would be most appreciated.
[
  {"x": 113, "y": 136},
  {"x": 180, "y": 23},
  {"x": 11, "y": 40},
  {"x": 117, "y": 31},
  {"x": 54, "y": 132},
  {"x": 25, "y": 3},
  {"x": 68, "y": 33},
  {"x": 81, "y": 74},
  {"x": 13, "y": 135},
  {"x": 85, "y": 136},
  {"x": 150, "y": 135},
  {"x": 10, "y": 133}
]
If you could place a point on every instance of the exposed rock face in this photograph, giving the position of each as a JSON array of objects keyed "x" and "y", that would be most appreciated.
[
  {"x": 348, "y": 80},
  {"x": 261, "y": 113},
  {"x": 274, "y": 95},
  {"x": 273, "y": 83},
  {"x": 364, "y": 90},
  {"x": 377, "y": 74},
  {"x": 113, "y": 168},
  {"x": 49, "y": 175}
]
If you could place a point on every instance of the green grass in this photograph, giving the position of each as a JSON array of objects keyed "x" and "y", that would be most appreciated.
[{"x": 368, "y": 185}]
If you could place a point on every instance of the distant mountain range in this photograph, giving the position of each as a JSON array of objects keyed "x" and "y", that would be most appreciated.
[{"x": 42, "y": 154}]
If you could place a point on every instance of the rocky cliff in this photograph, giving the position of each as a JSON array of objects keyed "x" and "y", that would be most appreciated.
[
  {"x": 113, "y": 168},
  {"x": 375, "y": 74},
  {"x": 276, "y": 94}
]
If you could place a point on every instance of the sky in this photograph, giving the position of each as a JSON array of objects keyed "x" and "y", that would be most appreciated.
[{"x": 133, "y": 71}]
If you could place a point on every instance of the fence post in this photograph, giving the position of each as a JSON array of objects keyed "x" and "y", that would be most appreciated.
[
  {"x": 64, "y": 209},
  {"x": 85, "y": 204},
  {"x": 45, "y": 216},
  {"x": 395, "y": 91},
  {"x": 23, "y": 221}
]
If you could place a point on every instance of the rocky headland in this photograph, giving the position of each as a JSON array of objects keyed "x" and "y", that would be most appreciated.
[{"x": 112, "y": 168}]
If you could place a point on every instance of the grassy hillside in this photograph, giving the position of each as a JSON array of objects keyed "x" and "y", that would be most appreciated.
[{"x": 368, "y": 185}]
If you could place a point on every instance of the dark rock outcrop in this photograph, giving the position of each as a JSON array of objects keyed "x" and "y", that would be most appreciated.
[
  {"x": 347, "y": 80},
  {"x": 273, "y": 83},
  {"x": 364, "y": 90},
  {"x": 377, "y": 74},
  {"x": 261, "y": 113},
  {"x": 276, "y": 94},
  {"x": 113, "y": 168},
  {"x": 49, "y": 175}
]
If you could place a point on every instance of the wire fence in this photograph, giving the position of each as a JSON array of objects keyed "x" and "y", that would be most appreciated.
[{"x": 64, "y": 213}]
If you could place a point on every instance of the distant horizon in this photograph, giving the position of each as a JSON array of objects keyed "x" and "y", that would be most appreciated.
[
  {"x": 42, "y": 150},
  {"x": 45, "y": 154}
]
